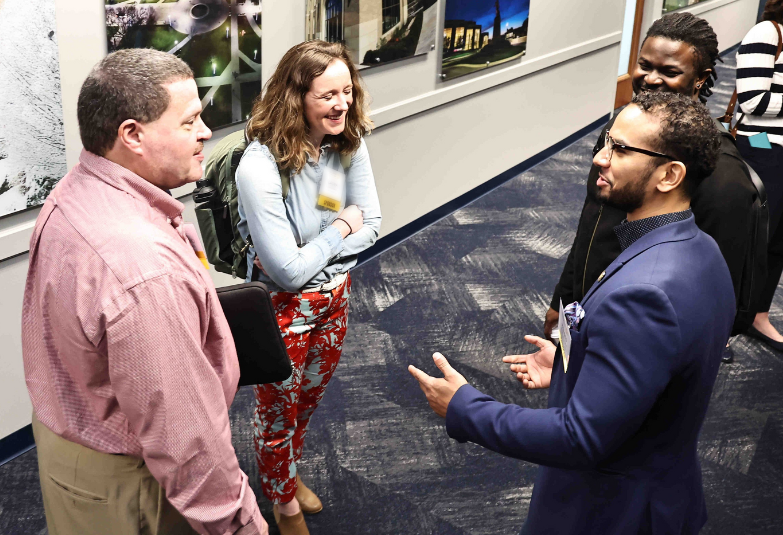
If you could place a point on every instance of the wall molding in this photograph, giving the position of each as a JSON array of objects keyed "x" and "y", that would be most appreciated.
[
  {"x": 400, "y": 235},
  {"x": 15, "y": 230},
  {"x": 22, "y": 441},
  {"x": 703, "y": 7},
  {"x": 16, "y": 444},
  {"x": 460, "y": 89},
  {"x": 15, "y": 233}
]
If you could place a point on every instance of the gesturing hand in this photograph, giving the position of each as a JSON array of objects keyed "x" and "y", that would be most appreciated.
[
  {"x": 439, "y": 391},
  {"x": 534, "y": 370}
]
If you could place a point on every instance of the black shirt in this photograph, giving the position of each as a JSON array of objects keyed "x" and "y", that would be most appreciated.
[{"x": 630, "y": 231}]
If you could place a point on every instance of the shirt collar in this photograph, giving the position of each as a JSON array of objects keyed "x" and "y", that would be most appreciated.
[
  {"x": 131, "y": 183},
  {"x": 629, "y": 231},
  {"x": 324, "y": 147}
]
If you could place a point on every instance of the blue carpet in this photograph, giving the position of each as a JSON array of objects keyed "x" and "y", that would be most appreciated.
[{"x": 471, "y": 286}]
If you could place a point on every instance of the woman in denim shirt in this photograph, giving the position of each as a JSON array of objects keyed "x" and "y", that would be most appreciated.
[{"x": 309, "y": 122}]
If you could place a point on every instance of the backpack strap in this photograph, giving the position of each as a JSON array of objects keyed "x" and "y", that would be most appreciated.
[
  {"x": 758, "y": 184},
  {"x": 285, "y": 181},
  {"x": 729, "y": 115},
  {"x": 345, "y": 160}
]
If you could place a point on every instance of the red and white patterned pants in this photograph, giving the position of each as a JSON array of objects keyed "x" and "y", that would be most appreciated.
[{"x": 313, "y": 326}]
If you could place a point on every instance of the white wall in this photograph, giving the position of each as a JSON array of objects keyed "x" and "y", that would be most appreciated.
[
  {"x": 731, "y": 19},
  {"x": 15, "y": 408},
  {"x": 434, "y": 141}
]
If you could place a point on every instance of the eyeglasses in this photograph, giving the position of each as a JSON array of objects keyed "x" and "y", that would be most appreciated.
[{"x": 611, "y": 144}]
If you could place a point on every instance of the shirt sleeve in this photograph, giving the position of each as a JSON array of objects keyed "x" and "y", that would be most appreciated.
[
  {"x": 174, "y": 401},
  {"x": 620, "y": 381},
  {"x": 261, "y": 193},
  {"x": 361, "y": 191},
  {"x": 755, "y": 71}
]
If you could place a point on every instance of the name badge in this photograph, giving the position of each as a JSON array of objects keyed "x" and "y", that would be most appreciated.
[
  {"x": 565, "y": 337},
  {"x": 759, "y": 141},
  {"x": 331, "y": 190}
]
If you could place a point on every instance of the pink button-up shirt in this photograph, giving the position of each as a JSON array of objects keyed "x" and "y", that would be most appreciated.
[{"x": 126, "y": 349}]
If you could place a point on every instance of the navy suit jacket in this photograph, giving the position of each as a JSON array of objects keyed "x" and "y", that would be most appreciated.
[{"x": 617, "y": 443}]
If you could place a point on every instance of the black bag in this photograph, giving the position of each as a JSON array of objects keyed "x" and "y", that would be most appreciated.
[
  {"x": 260, "y": 348},
  {"x": 754, "y": 273}
]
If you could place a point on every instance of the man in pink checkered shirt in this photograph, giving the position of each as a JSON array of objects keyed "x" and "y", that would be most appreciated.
[{"x": 129, "y": 360}]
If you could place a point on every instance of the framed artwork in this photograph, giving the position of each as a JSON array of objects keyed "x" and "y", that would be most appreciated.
[
  {"x": 32, "y": 139},
  {"x": 219, "y": 39},
  {"x": 375, "y": 31},
  {"x": 478, "y": 34},
  {"x": 674, "y": 5}
]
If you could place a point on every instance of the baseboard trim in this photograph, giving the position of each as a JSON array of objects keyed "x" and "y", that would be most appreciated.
[
  {"x": 403, "y": 233},
  {"x": 22, "y": 441},
  {"x": 16, "y": 444},
  {"x": 729, "y": 50}
]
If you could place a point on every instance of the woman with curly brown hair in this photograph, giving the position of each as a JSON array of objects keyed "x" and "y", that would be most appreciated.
[{"x": 307, "y": 197}]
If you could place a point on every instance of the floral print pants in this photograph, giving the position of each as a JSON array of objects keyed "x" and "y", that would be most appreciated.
[{"x": 313, "y": 326}]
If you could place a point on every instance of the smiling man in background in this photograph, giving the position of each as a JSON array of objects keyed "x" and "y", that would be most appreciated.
[
  {"x": 678, "y": 55},
  {"x": 617, "y": 441},
  {"x": 129, "y": 360}
]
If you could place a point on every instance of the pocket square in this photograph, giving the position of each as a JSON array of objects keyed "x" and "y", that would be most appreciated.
[{"x": 574, "y": 314}]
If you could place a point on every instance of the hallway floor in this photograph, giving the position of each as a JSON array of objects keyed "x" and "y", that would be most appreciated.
[{"x": 471, "y": 286}]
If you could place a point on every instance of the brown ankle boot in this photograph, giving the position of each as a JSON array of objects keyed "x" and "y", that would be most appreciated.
[
  {"x": 308, "y": 501},
  {"x": 290, "y": 525}
]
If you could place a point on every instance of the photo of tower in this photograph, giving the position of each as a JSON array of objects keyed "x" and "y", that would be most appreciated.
[
  {"x": 478, "y": 34},
  {"x": 219, "y": 39},
  {"x": 375, "y": 31}
]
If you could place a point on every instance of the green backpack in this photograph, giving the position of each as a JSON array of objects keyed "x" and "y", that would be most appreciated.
[{"x": 217, "y": 205}]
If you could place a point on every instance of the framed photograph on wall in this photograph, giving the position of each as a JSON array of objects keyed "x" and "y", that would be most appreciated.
[
  {"x": 220, "y": 40},
  {"x": 375, "y": 31},
  {"x": 674, "y": 5},
  {"x": 32, "y": 138},
  {"x": 478, "y": 34}
]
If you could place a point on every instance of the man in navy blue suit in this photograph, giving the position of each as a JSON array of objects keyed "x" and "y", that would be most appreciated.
[{"x": 617, "y": 443}]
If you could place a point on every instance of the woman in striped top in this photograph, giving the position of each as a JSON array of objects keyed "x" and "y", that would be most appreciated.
[{"x": 760, "y": 141}]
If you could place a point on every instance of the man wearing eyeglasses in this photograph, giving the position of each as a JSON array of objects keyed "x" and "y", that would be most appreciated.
[
  {"x": 633, "y": 374},
  {"x": 678, "y": 55}
]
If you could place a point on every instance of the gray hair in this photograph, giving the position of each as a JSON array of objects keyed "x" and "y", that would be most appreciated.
[{"x": 127, "y": 84}]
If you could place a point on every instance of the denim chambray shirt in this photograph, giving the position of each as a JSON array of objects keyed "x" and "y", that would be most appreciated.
[{"x": 294, "y": 238}]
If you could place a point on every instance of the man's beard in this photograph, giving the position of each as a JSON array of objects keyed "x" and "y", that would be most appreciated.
[{"x": 628, "y": 198}]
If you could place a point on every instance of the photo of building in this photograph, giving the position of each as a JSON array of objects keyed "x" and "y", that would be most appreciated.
[
  {"x": 219, "y": 39},
  {"x": 673, "y": 5},
  {"x": 375, "y": 31},
  {"x": 482, "y": 33},
  {"x": 32, "y": 139}
]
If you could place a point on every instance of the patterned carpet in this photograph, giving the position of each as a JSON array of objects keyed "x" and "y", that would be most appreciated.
[{"x": 471, "y": 286}]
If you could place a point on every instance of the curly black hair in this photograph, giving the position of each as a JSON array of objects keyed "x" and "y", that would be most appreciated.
[
  {"x": 687, "y": 28},
  {"x": 687, "y": 133},
  {"x": 773, "y": 10}
]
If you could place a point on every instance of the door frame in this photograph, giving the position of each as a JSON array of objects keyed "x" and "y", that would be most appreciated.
[{"x": 624, "y": 92}]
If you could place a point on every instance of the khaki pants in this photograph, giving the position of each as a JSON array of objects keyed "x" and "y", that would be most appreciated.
[{"x": 86, "y": 492}]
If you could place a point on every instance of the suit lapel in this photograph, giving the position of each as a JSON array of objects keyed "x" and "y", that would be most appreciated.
[{"x": 681, "y": 230}]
